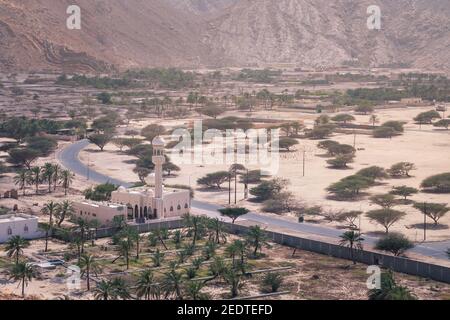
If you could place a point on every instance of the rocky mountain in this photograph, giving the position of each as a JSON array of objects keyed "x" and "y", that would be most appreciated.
[
  {"x": 124, "y": 33},
  {"x": 192, "y": 33}
]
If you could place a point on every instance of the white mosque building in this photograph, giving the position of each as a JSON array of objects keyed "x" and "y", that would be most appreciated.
[{"x": 143, "y": 204}]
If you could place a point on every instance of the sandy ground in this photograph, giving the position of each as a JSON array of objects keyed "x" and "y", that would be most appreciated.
[{"x": 425, "y": 146}]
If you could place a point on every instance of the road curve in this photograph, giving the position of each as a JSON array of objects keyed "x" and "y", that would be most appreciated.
[{"x": 69, "y": 158}]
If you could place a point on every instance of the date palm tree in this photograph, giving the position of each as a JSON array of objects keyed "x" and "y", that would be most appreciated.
[
  {"x": 193, "y": 290},
  {"x": 47, "y": 174},
  {"x": 257, "y": 239},
  {"x": 234, "y": 280},
  {"x": 24, "y": 273},
  {"x": 14, "y": 247},
  {"x": 352, "y": 240},
  {"x": 172, "y": 284},
  {"x": 36, "y": 177},
  {"x": 22, "y": 179},
  {"x": 88, "y": 265},
  {"x": 124, "y": 248},
  {"x": 120, "y": 289},
  {"x": 66, "y": 178},
  {"x": 157, "y": 258},
  {"x": 216, "y": 231},
  {"x": 104, "y": 290},
  {"x": 63, "y": 210},
  {"x": 50, "y": 210},
  {"x": 56, "y": 175},
  {"x": 146, "y": 286}
]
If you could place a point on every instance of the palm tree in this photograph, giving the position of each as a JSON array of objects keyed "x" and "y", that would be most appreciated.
[
  {"x": 209, "y": 250},
  {"x": 14, "y": 247},
  {"x": 172, "y": 284},
  {"x": 82, "y": 226},
  {"x": 46, "y": 227},
  {"x": 56, "y": 175},
  {"x": 237, "y": 248},
  {"x": 390, "y": 290},
  {"x": 63, "y": 210},
  {"x": 120, "y": 289},
  {"x": 24, "y": 273},
  {"x": 104, "y": 290},
  {"x": 47, "y": 174},
  {"x": 271, "y": 282},
  {"x": 88, "y": 264},
  {"x": 193, "y": 290},
  {"x": 217, "y": 230},
  {"x": 234, "y": 280},
  {"x": 36, "y": 177},
  {"x": 351, "y": 239},
  {"x": 66, "y": 178},
  {"x": 124, "y": 251},
  {"x": 22, "y": 179},
  {"x": 157, "y": 258},
  {"x": 145, "y": 285},
  {"x": 256, "y": 238},
  {"x": 194, "y": 223},
  {"x": 49, "y": 209}
]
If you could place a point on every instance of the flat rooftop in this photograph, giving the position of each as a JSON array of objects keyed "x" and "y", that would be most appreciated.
[{"x": 15, "y": 218}]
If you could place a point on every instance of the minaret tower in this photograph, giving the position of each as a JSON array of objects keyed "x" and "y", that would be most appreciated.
[{"x": 158, "y": 160}]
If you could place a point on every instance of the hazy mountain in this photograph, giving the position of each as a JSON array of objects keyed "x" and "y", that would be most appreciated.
[{"x": 139, "y": 33}]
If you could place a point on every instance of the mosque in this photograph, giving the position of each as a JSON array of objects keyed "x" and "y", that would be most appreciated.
[{"x": 139, "y": 205}]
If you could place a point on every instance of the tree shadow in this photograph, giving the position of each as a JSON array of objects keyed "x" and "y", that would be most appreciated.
[{"x": 430, "y": 226}]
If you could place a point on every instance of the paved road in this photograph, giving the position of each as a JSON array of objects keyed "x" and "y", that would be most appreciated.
[{"x": 69, "y": 158}]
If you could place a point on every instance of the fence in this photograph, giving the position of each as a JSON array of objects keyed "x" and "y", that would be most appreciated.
[{"x": 398, "y": 264}]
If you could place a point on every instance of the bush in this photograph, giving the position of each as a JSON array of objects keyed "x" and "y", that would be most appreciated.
[
  {"x": 268, "y": 189},
  {"x": 271, "y": 282},
  {"x": 341, "y": 161},
  {"x": 427, "y": 117},
  {"x": 384, "y": 132},
  {"x": 395, "y": 243},
  {"x": 101, "y": 192},
  {"x": 214, "y": 180},
  {"x": 385, "y": 217},
  {"x": 438, "y": 183},
  {"x": 374, "y": 173},
  {"x": 350, "y": 187},
  {"x": 401, "y": 169},
  {"x": 281, "y": 203}
]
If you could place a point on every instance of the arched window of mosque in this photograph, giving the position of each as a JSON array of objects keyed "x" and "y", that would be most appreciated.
[
  {"x": 179, "y": 207},
  {"x": 186, "y": 206},
  {"x": 9, "y": 231},
  {"x": 25, "y": 229},
  {"x": 171, "y": 209}
]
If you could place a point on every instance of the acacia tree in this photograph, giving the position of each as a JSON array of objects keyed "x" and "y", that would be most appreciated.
[
  {"x": 402, "y": 169},
  {"x": 233, "y": 213},
  {"x": 214, "y": 180},
  {"x": 385, "y": 217},
  {"x": 404, "y": 191},
  {"x": 100, "y": 140},
  {"x": 433, "y": 210},
  {"x": 386, "y": 201}
]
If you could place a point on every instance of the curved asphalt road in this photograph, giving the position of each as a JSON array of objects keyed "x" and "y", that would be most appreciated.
[{"x": 68, "y": 157}]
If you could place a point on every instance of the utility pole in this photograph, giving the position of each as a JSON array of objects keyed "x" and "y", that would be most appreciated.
[
  {"x": 354, "y": 139},
  {"x": 235, "y": 186},
  {"x": 89, "y": 167},
  {"x": 304, "y": 162},
  {"x": 246, "y": 186},
  {"x": 229, "y": 188},
  {"x": 424, "y": 221}
]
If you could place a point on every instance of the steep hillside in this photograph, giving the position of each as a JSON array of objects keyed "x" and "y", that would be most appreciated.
[
  {"x": 127, "y": 33},
  {"x": 193, "y": 33},
  {"x": 323, "y": 33}
]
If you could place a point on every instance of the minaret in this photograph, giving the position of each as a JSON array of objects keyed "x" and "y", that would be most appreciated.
[{"x": 158, "y": 160}]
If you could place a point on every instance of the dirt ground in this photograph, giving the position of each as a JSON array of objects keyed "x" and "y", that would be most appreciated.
[
  {"x": 310, "y": 277},
  {"x": 425, "y": 146}
]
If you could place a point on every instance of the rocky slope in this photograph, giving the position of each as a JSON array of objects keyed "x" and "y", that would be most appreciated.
[{"x": 193, "y": 33}]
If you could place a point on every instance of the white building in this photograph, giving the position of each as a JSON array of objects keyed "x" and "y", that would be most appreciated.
[
  {"x": 140, "y": 204},
  {"x": 18, "y": 224}
]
